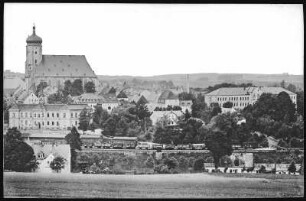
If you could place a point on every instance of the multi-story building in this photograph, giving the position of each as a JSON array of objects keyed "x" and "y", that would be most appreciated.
[
  {"x": 108, "y": 103},
  {"x": 241, "y": 97},
  {"x": 45, "y": 117}
]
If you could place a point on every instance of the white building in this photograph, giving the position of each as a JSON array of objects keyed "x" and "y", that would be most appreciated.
[{"x": 242, "y": 97}]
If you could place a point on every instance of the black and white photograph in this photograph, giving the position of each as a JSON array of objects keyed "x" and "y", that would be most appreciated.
[{"x": 119, "y": 100}]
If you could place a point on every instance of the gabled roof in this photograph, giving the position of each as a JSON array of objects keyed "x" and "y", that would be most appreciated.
[
  {"x": 56, "y": 107},
  {"x": 64, "y": 65},
  {"x": 231, "y": 91},
  {"x": 27, "y": 107},
  {"x": 77, "y": 106},
  {"x": 90, "y": 96},
  {"x": 121, "y": 95},
  {"x": 166, "y": 95}
]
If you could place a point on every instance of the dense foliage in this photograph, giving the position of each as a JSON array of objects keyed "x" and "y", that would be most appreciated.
[
  {"x": 57, "y": 164},
  {"x": 90, "y": 87},
  {"x": 18, "y": 155}
]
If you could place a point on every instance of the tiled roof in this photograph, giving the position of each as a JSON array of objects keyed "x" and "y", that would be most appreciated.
[
  {"x": 56, "y": 107},
  {"x": 77, "y": 106},
  {"x": 168, "y": 95},
  {"x": 90, "y": 97},
  {"x": 231, "y": 91},
  {"x": 236, "y": 91},
  {"x": 275, "y": 90},
  {"x": 64, "y": 65},
  {"x": 121, "y": 95},
  {"x": 28, "y": 107}
]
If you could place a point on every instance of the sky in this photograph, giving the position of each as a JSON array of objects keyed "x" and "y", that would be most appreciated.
[{"x": 155, "y": 39}]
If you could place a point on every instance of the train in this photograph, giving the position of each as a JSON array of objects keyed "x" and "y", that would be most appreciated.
[{"x": 133, "y": 143}]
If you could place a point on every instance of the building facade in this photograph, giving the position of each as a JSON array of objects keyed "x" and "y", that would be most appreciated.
[
  {"x": 242, "y": 97},
  {"x": 45, "y": 117},
  {"x": 54, "y": 69}
]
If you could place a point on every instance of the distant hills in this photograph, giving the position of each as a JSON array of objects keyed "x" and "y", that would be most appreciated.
[
  {"x": 203, "y": 80},
  {"x": 199, "y": 80}
]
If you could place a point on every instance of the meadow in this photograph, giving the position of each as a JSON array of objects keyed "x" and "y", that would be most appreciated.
[{"x": 200, "y": 185}]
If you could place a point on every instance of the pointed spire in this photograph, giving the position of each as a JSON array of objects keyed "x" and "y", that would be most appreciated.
[{"x": 34, "y": 29}]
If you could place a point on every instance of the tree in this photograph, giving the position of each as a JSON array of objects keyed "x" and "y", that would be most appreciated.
[
  {"x": 18, "y": 155},
  {"x": 187, "y": 114},
  {"x": 77, "y": 88},
  {"x": 149, "y": 162},
  {"x": 84, "y": 119},
  {"x": 40, "y": 88},
  {"x": 100, "y": 116},
  {"x": 219, "y": 144},
  {"x": 228, "y": 104},
  {"x": 292, "y": 168},
  {"x": 171, "y": 162},
  {"x": 67, "y": 88},
  {"x": 198, "y": 164},
  {"x": 197, "y": 106},
  {"x": 90, "y": 87},
  {"x": 215, "y": 109},
  {"x": 183, "y": 163},
  {"x": 74, "y": 140},
  {"x": 58, "y": 163},
  {"x": 285, "y": 109},
  {"x": 291, "y": 88},
  {"x": 57, "y": 98},
  {"x": 300, "y": 102}
]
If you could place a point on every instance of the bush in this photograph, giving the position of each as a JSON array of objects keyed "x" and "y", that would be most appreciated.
[
  {"x": 292, "y": 167},
  {"x": 149, "y": 162},
  {"x": 171, "y": 162},
  {"x": 161, "y": 169},
  {"x": 198, "y": 165},
  {"x": 191, "y": 162},
  {"x": 225, "y": 169},
  {"x": 58, "y": 163},
  {"x": 250, "y": 169},
  {"x": 262, "y": 169},
  {"x": 183, "y": 163}
]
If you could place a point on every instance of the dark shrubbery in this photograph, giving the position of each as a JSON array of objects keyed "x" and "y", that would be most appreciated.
[
  {"x": 183, "y": 163},
  {"x": 250, "y": 169},
  {"x": 262, "y": 169},
  {"x": 198, "y": 164},
  {"x": 292, "y": 167},
  {"x": 149, "y": 162}
]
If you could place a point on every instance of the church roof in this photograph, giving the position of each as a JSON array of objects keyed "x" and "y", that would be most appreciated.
[
  {"x": 64, "y": 65},
  {"x": 34, "y": 38}
]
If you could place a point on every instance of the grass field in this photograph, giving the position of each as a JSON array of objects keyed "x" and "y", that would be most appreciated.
[{"x": 150, "y": 186}]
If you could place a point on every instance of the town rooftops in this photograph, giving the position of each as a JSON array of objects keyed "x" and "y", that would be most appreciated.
[
  {"x": 90, "y": 97},
  {"x": 64, "y": 66},
  {"x": 167, "y": 95}
]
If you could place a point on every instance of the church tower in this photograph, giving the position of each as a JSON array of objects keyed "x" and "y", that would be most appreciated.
[{"x": 33, "y": 58}]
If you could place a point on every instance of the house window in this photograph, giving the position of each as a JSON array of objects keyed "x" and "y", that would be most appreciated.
[
  {"x": 52, "y": 114},
  {"x": 35, "y": 52},
  {"x": 52, "y": 123},
  {"x": 34, "y": 115},
  {"x": 35, "y": 61},
  {"x": 38, "y": 115},
  {"x": 57, "y": 114},
  {"x": 42, "y": 115},
  {"x": 76, "y": 123},
  {"x": 48, "y": 114},
  {"x": 57, "y": 123},
  {"x": 41, "y": 155},
  {"x": 48, "y": 123},
  {"x": 71, "y": 114},
  {"x": 43, "y": 123},
  {"x": 64, "y": 115},
  {"x": 76, "y": 115},
  {"x": 109, "y": 108}
]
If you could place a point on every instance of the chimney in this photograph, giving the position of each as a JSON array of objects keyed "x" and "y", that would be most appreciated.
[{"x": 187, "y": 83}]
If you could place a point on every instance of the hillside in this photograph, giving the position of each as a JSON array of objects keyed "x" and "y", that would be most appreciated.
[{"x": 204, "y": 80}]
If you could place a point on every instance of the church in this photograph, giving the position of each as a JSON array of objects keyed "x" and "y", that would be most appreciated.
[{"x": 54, "y": 69}]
